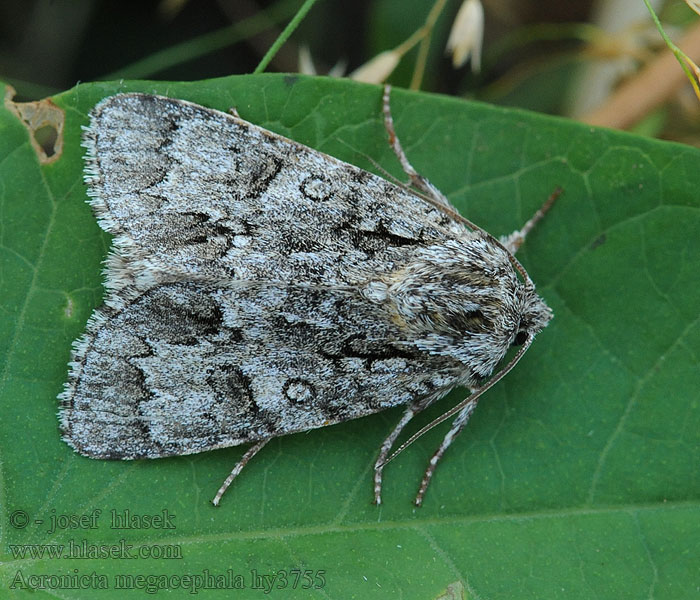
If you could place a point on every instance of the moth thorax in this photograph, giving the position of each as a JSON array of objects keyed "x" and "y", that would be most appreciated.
[{"x": 452, "y": 297}]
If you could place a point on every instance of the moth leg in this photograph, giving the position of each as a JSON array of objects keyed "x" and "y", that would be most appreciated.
[
  {"x": 415, "y": 179},
  {"x": 385, "y": 448},
  {"x": 250, "y": 453},
  {"x": 513, "y": 241},
  {"x": 457, "y": 425}
]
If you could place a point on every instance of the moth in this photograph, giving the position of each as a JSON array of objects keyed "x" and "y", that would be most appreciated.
[{"x": 258, "y": 288}]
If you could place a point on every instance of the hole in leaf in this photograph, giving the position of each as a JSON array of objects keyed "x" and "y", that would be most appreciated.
[
  {"x": 47, "y": 136},
  {"x": 44, "y": 121}
]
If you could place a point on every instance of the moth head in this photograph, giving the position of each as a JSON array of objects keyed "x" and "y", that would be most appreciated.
[{"x": 534, "y": 315}]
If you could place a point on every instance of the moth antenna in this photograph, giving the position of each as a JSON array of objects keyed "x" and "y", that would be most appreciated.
[
  {"x": 473, "y": 397},
  {"x": 379, "y": 167}
]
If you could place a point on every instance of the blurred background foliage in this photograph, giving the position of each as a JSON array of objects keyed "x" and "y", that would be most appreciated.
[{"x": 565, "y": 58}]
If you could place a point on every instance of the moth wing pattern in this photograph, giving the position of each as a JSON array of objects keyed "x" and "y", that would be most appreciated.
[
  {"x": 259, "y": 360},
  {"x": 244, "y": 204}
]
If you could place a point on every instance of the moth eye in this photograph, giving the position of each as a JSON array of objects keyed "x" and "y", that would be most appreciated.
[{"x": 520, "y": 338}]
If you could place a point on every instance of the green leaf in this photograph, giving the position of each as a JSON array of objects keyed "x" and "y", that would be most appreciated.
[{"x": 578, "y": 474}]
